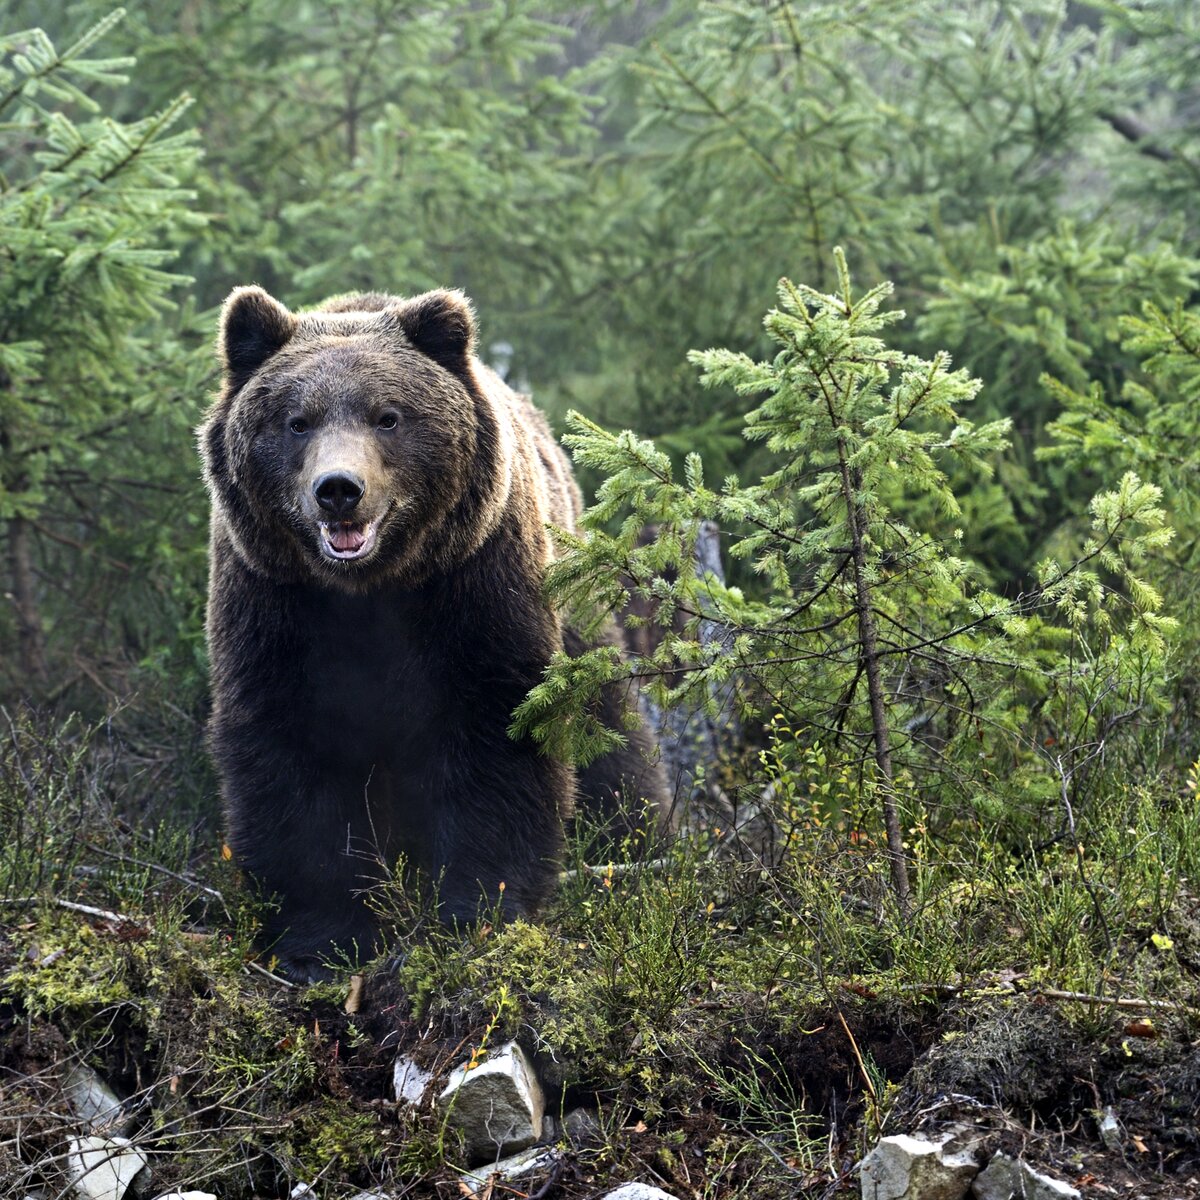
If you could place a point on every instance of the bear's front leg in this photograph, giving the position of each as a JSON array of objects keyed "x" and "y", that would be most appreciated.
[
  {"x": 305, "y": 838},
  {"x": 500, "y": 807}
]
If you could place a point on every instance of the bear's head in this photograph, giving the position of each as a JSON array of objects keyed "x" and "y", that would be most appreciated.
[{"x": 354, "y": 442}]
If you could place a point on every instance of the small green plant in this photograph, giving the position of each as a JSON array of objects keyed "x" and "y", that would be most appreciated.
[{"x": 765, "y": 1101}]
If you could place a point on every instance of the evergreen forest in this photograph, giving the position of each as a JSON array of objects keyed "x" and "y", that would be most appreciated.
[{"x": 873, "y": 330}]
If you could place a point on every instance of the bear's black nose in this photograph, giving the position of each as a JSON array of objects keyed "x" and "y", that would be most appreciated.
[{"x": 338, "y": 492}]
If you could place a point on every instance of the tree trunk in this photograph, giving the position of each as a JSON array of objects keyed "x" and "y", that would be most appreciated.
[
  {"x": 869, "y": 650},
  {"x": 31, "y": 638}
]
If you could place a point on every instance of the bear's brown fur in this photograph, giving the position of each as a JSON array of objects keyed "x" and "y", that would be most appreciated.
[{"x": 380, "y": 503}]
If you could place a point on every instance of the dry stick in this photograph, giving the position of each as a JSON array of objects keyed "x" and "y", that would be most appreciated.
[
  {"x": 1134, "y": 1002},
  {"x": 269, "y": 974},
  {"x": 859, "y": 1059},
  {"x": 652, "y": 865},
  {"x": 103, "y": 914},
  {"x": 138, "y": 862},
  {"x": 1126, "y": 1002}
]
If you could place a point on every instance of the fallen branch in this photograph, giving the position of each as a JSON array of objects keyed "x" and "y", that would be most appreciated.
[
  {"x": 604, "y": 870},
  {"x": 1134, "y": 1002},
  {"x": 184, "y": 879},
  {"x": 269, "y": 974},
  {"x": 1011, "y": 988},
  {"x": 103, "y": 914}
]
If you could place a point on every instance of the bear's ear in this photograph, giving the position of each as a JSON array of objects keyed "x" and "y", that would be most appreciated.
[
  {"x": 254, "y": 326},
  {"x": 441, "y": 325}
]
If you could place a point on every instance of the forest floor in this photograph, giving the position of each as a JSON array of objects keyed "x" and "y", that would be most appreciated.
[
  {"x": 244, "y": 1087},
  {"x": 736, "y": 1029}
]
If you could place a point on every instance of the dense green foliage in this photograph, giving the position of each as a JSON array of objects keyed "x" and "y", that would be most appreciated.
[
  {"x": 869, "y": 632},
  {"x": 93, "y": 375},
  {"x": 614, "y": 188},
  {"x": 960, "y": 528}
]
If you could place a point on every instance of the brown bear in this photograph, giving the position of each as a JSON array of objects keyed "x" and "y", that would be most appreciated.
[{"x": 380, "y": 501}]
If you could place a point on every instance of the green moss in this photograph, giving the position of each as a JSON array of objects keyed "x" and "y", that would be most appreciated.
[
  {"x": 68, "y": 967},
  {"x": 327, "y": 1136}
]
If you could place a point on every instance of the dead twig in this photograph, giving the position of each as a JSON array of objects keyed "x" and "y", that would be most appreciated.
[
  {"x": 1011, "y": 988},
  {"x": 102, "y": 914},
  {"x": 287, "y": 983},
  {"x": 603, "y": 870}
]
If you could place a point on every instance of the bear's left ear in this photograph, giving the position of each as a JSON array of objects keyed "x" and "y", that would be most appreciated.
[
  {"x": 254, "y": 326},
  {"x": 441, "y": 325}
]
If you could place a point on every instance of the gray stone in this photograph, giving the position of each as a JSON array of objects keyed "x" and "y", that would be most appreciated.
[
  {"x": 638, "y": 1191},
  {"x": 582, "y": 1125},
  {"x": 1006, "y": 1178},
  {"x": 999, "y": 1180},
  {"x": 186, "y": 1196},
  {"x": 409, "y": 1081},
  {"x": 911, "y": 1168},
  {"x": 516, "y": 1169},
  {"x": 103, "y": 1168},
  {"x": 689, "y": 736},
  {"x": 93, "y": 1102},
  {"x": 498, "y": 1105}
]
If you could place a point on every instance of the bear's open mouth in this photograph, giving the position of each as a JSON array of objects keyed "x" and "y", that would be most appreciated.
[{"x": 345, "y": 540}]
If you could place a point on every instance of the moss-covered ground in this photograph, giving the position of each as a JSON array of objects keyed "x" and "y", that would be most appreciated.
[{"x": 742, "y": 1019}]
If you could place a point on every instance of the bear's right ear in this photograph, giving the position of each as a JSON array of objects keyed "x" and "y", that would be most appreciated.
[{"x": 254, "y": 326}]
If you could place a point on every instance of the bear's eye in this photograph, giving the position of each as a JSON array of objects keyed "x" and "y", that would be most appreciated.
[
  {"x": 299, "y": 426},
  {"x": 389, "y": 420}
]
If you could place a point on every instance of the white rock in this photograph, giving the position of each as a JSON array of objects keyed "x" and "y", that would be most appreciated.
[
  {"x": 637, "y": 1191},
  {"x": 498, "y": 1105},
  {"x": 910, "y": 1168},
  {"x": 186, "y": 1196},
  {"x": 103, "y": 1168},
  {"x": 1005, "y": 1178},
  {"x": 409, "y": 1081},
  {"x": 94, "y": 1102},
  {"x": 1110, "y": 1130},
  {"x": 514, "y": 1169}
]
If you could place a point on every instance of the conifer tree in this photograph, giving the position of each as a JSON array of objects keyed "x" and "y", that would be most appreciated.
[
  {"x": 966, "y": 151},
  {"x": 869, "y": 633},
  {"x": 87, "y": 209}
]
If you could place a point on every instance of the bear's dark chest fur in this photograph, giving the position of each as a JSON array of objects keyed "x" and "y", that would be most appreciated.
[{"x": 373, "y": 672}]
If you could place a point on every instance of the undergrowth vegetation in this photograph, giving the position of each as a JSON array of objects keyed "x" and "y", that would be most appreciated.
[{"x": 740, "y": 1025}]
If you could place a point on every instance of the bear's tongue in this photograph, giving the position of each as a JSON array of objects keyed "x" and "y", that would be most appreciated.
[{"x": 346, "y": 538}]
